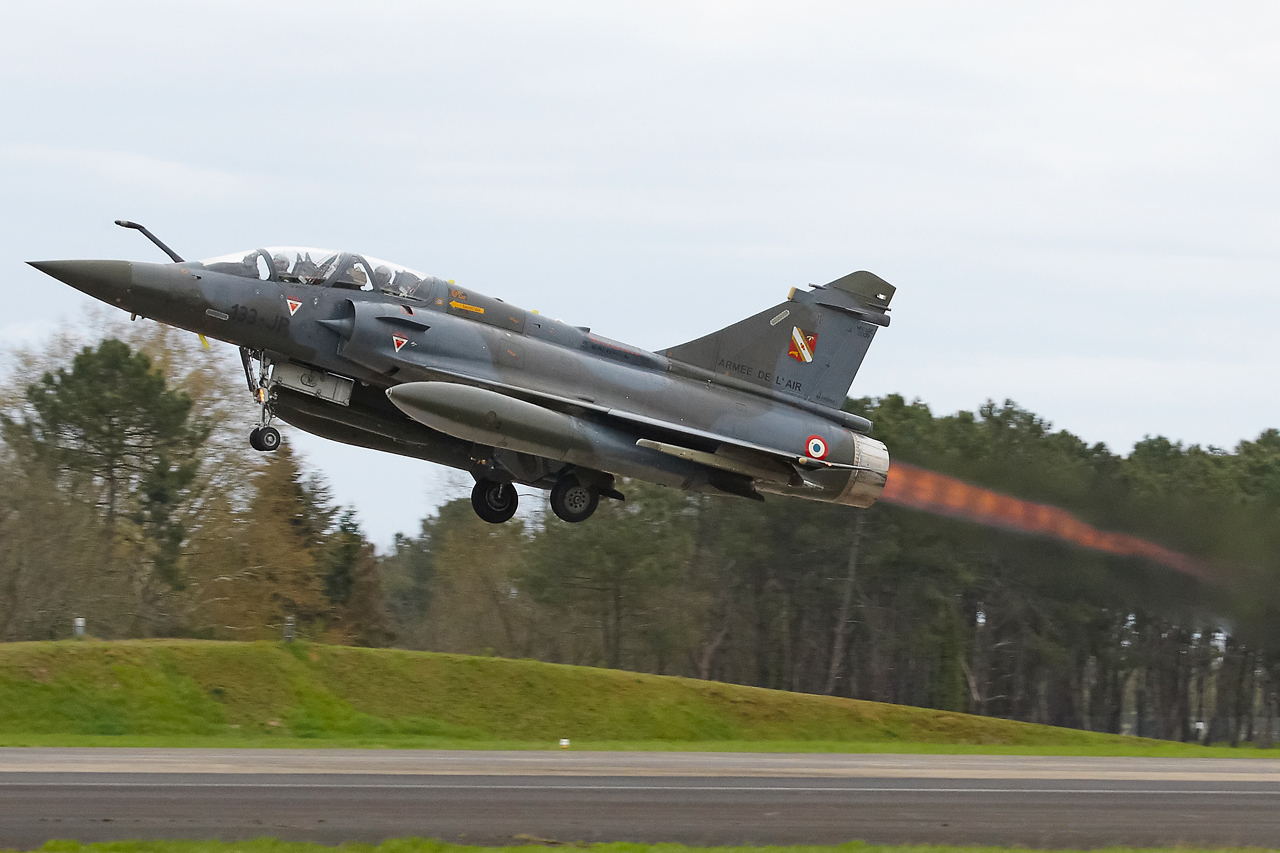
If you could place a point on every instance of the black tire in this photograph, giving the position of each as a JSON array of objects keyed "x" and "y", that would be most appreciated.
[
  {"x": 494, "y": 501},
  {"x": 571, "y": 501},
  {"x": 254, "y": 438},
  {"x": 268, "y": 439}
]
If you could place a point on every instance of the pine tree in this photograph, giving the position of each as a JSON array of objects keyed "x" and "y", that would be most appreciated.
[
  {"x": 352, "y": 586},
  {"x": 112, "y": 418},
  {"x": 282, "y": 571},
  {"x": 110, "y": 431}
]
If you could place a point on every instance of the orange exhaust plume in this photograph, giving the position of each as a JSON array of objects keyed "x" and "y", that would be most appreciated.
[{"x": 939, "y": 494}]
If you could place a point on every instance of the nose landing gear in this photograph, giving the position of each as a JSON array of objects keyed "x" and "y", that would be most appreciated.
[
  {"x": 265, "y": 439},
  {"x": 494, "y": 501}
]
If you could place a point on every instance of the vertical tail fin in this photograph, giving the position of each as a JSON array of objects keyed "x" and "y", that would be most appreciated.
[{"x": 810, "y": 346}]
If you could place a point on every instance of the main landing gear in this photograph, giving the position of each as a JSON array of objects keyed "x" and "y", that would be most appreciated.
[
  {"x": 575, "y": 492},
  {"x": 494, "y": 501},
  {"x": 573, "y": 501}
]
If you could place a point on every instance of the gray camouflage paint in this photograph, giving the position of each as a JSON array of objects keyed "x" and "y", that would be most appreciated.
[{"x": 526, "y": 396}]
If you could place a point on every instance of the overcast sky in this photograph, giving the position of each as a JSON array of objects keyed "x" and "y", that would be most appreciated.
[{"x": 1079, "y": 203}]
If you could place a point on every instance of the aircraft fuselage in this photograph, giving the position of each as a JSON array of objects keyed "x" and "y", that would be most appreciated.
[{"x": 538, "y": 396}]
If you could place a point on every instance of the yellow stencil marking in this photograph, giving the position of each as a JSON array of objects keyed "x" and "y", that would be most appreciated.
[{"x": 475, "y": 309}]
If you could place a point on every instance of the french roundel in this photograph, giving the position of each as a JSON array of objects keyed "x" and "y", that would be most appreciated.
[{"x": 815, "y": 447}]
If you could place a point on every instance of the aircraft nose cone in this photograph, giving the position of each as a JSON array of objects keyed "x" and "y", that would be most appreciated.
[{"x": 105, "y": 280}]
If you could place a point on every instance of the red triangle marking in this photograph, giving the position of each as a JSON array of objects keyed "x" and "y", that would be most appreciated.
[
  {"x": 294, "y": 305},
  {"x": 399, "y": 341}
]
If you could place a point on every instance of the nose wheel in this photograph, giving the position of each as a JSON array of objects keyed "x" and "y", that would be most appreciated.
[
  {"x": 494, "y": 501},
  {"x": 265, "y": 439},
  {"x": 572, "y": 501}
]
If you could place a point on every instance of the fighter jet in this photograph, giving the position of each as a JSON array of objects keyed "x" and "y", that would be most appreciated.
[{"x": 377, "y": 355}]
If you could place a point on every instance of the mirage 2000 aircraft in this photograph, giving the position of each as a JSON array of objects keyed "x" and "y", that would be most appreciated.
[{"x": 370, "y": 353}]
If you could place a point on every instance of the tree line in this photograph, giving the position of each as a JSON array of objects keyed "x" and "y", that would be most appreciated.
[
  {"x": 132, "y": 499},
  {"x": 131, "y": 495}
]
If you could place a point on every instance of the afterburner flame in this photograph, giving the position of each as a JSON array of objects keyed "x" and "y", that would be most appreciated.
[{"x": 939, "y": 494}]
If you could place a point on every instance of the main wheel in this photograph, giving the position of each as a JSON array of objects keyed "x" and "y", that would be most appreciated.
[
  {"x": 268, "y": 439},
  {"x": 572, "y": 501},
  {"x": 494, "y": 501}
]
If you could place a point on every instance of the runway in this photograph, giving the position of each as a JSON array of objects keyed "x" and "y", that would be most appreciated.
[{"x": 698, "y": 798}]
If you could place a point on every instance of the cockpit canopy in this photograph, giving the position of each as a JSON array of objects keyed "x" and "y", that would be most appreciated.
[{"x": 300, "y": 265}]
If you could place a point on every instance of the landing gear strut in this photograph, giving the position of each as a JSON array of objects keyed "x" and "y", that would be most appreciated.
[
  {"x": 494, "y": 501},
  {"x": 572, "y": 501},
  {"x": 264, "y": 436}
]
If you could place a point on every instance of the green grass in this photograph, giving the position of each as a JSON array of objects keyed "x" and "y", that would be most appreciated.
[
  {"x": 201, "y": 693},
  {"x": 421, "y": 845}
]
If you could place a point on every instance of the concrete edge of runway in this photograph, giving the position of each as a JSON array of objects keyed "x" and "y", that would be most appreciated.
[
  {"x": 704, "y": 799},
  {"x": 635, "y": 764}
]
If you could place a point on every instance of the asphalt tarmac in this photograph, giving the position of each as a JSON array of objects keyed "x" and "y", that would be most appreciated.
[{"x": 698, "y": 798}]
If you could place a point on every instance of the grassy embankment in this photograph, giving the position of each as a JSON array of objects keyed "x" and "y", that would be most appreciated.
[
  {"x": 420, "y": 845},
  {"x": 196, "y": 693}
]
